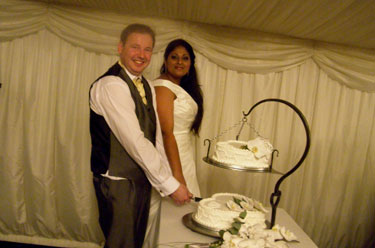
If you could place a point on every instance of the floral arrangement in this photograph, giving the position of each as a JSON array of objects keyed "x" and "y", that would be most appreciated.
[
  {"x": 259, "y": 147},
  {"x": 245, "y": 235}
]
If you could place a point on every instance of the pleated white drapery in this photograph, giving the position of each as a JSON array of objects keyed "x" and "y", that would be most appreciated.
[
  {"x": 236, "y": 49},
  {"x": 49, "y": 56}
]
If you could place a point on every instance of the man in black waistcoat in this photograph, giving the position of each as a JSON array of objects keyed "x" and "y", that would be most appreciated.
[{"x": 128, "y": 156}]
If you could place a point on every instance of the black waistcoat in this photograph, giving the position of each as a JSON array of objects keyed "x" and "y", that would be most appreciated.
[{"x": 107, "y": 153}]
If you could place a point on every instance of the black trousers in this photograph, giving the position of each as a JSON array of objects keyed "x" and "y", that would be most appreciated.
[{"x": 123, "y": 211}]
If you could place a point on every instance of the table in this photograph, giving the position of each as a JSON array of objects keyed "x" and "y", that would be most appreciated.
[{"x": 173, "y": 232}]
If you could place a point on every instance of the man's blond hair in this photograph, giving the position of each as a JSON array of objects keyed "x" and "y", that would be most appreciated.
[{"x": 137, "y": 28}]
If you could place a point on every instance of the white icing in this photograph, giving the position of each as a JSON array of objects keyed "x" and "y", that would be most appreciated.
[
  {"x": 219, "y": 211},
  {"x": 251, "y": 154}
]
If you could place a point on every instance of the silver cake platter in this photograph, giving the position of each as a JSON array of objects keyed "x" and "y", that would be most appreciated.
[
  {"x": 238, "y": 167},
  {"x": 190, "y": 223}
]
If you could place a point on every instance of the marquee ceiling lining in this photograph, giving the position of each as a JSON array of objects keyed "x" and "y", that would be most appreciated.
[{"x": 345, "y": 22}]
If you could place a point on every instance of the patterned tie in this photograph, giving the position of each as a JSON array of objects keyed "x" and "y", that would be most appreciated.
[{"x": 138, "y": 83}]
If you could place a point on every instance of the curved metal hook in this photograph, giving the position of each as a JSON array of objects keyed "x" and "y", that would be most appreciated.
[
  {"x": 244, "y": 120},
  {"x": 272, "y": 154},
  {"x": 209, "y": 146},
  {"x": 307, "y": 130},
  {"x": 307, "y": 147}
]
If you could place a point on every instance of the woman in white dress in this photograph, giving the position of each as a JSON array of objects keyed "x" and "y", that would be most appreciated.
[{"x": 180, "y": 110}]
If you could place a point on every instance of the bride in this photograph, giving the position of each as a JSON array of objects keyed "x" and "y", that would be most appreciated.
[{"x": 180, "y": 110}]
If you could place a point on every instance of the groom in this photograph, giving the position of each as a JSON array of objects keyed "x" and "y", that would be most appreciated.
[{"x": 127, "y": 156}]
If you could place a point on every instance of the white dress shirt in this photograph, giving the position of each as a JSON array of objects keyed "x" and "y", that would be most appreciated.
[{"x": 111, "y": 98}]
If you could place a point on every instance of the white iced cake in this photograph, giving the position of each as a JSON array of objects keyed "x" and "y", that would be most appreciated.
[
  {"x": 218, "y": 212},
  {"x": 255, "y": 153},
  {"x": 241, "y": 222}
]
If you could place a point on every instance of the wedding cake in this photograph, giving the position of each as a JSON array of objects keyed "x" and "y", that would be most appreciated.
[
  {"x": 240, "y": 220},
  {"x": 255, "y": 153},
  {"x": 218, "y": 212}
]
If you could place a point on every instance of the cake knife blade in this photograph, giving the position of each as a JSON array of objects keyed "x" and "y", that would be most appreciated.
[{"x": 196, "y": 199}]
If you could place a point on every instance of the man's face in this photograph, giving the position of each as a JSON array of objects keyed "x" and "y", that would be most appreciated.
[{"x": 136, "y": 53}]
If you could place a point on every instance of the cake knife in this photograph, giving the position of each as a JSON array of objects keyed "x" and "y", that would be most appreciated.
[{"x": 196, "y": 199}]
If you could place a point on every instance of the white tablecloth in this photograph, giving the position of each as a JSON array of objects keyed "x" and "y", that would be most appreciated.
[{"x": 173, "y": 233}]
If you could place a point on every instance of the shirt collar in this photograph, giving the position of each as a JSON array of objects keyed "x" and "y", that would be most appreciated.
[{"x": 132, "y": 77}]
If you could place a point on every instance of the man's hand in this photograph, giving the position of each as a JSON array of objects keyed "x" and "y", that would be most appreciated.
[{"x": 181, "y": 195}]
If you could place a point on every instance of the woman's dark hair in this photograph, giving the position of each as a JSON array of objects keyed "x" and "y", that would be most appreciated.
[{"x": 189, "y": 82}]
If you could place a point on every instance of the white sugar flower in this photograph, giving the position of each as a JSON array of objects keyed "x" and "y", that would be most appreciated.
[
  {"x": 250, "y": 201},
  {"x": 243, "y": 232},
  {"x": 234, "y": 206},
  {"x": 276, "y": 227},
  {"x": 288, "y": 235},
  {"x": 246, "y": 206},
  {"x": 227, "y": 236},
  {"x": 255, "y": 233},
  {"x": 260, "y": 207},
  {"x": 275, "y": 232},
  {"x": 259, "y": 226},
  {"x": 233, "y": 242},
  {"x": 260, "y": 147},
  {"x": 251, "y": 243}
]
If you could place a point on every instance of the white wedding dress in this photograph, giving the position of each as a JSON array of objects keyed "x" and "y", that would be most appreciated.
[{"x": 185, "y": 109}]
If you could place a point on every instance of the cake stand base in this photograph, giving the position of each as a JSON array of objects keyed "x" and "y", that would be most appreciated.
[{"x": 189, "y": 222}]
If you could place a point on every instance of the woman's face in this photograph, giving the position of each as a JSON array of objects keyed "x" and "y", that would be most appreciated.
[{"x": 178, "y": 63}]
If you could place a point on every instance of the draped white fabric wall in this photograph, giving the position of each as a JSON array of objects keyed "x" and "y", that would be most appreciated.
[{"x": 49, "y": 56}]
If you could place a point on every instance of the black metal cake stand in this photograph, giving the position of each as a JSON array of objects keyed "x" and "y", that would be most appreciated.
[{"x": 275, "y": 196}]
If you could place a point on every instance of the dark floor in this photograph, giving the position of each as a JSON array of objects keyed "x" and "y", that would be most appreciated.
[{"x": 4, "y": 244}]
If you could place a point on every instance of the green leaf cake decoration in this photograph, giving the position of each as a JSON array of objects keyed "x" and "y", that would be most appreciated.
[
  {"x": 236, "y": 225},
  {"x": 238, "y": 201},
  {"x": 233, "y": 231},
  {"x": 243, "y": 214}
]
